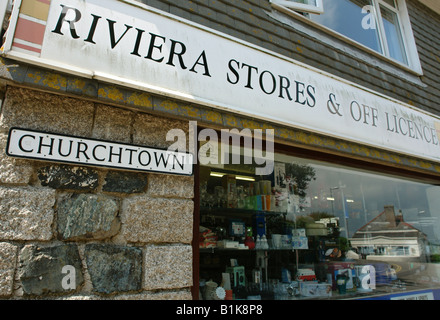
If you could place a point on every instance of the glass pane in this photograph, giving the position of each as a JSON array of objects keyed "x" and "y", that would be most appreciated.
[
  {"x": 393, "y": 34},
  {"x": 347, "y": 18},
  {"x": 391, "y": 3},
  {"x": 389, "y": 222},
  {"x": 355, "y": 233}
]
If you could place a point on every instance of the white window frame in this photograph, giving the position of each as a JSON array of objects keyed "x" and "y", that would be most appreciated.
[
  {"x": 310, "y": 8},
  {"x": 413, "y": 61},
  {"x": 383, "y": 39},
  {"x": 5, "y": 7}
]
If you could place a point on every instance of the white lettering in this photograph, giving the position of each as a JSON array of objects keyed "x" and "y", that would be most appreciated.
[
  {"x": 369, "y": 21},
  {"x": 54, "y": 147},
  {"x": 69, "y": 281}
]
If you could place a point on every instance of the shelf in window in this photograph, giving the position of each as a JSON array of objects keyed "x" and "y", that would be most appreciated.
[
  {"x": 216, "y": 249},
  {"x": 237, "y": 211}
]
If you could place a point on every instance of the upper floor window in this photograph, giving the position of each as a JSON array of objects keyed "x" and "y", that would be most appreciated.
[{"x": 381, "y": 25}]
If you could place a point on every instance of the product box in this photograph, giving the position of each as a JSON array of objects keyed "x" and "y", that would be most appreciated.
[
  {"x": 237, "y": 228},
  {"x": 227, "y": 244},
  {"x": 350, "y": 274},
  {"x": 299, "y": 232},
  {"x": 316, "y": 229},
  {"x": 335, "y": 268},
  {"x": 259, "y": 203},
  {"x": 314, "y": 289},
  {"x": 260, "y": 224},
  {"x": 238, "y": 277},
  {"x": 229, "y": 183},
  {"x": 300, "y": 243}
]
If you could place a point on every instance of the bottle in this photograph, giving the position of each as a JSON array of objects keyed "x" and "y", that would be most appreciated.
[
  {"x": 264, "y": 243},
  {"x": 249, "y": 242},
  {"x": 258, "y": 244}
]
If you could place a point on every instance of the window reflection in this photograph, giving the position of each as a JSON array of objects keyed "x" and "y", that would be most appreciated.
[
  {"x": 345, "y": 17},
  {"x": 319, "y": 222},
  {"x": 390, "y": 222}
]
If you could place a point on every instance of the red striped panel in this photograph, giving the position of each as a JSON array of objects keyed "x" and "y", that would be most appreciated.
[
  {"x": 30, "y": 31},
  {"x": 28, "y": 48}
]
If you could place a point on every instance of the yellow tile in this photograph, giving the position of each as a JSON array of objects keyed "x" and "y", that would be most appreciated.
[{"x": 35, "y": 8}]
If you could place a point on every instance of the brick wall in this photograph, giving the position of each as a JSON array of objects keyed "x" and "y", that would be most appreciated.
[{"x": 127, "y": 235}]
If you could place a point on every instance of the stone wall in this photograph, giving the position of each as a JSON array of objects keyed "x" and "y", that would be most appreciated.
[{"x": 70, "y": 232}]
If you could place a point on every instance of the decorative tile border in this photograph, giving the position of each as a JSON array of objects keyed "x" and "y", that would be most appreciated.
[{"x": 31, "y": 24}]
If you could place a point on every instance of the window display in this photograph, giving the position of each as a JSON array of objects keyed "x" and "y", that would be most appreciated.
[{"x": 315, "y": 230}]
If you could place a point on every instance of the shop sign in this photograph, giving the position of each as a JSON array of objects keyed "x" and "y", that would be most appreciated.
[
  {"x": 417, "y": 296},
  {"x": 29, "y": 144},
  {"x": 130, "y": 44},
  {"x": 414, "y": 295}
]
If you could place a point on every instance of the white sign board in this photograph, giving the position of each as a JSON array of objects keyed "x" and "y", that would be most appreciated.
[
  {"x": 417, "y": 296},
  {"x": 60, "y": 148},
  {"x": 130, "y": 44}
]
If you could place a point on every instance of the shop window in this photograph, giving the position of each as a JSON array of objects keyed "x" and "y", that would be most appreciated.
[
  {"x": 314, "y": 229},
  {"x": 380, "y": 25}
]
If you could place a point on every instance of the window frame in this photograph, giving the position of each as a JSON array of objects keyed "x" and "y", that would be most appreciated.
[
  {"x": 291, "y": 4},
  {"x": 413, "y": 61},
  {"x": 5, "y": 8},
  {"x": 384, "y": 40}
]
